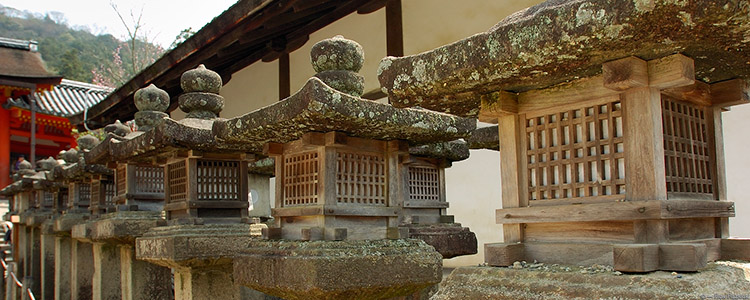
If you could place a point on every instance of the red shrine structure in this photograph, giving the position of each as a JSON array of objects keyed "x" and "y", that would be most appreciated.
[{"x": 23, "y": 78}]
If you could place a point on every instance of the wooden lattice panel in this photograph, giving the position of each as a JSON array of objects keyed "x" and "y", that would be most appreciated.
[
  {"x": 49, "y": 199},
  {"x": 62, "y": 198},
  {"x": 218, "y": 180},
  {"x": 301, "y": 179},
  {"x": 177, "y": 180},
  {"x": 109, "y": 192},
  {"x": 360, "y": 179},
  {"x": 576, "y": 154},
  {"x": 424, "y": 183},
  {"x": 121, "y": 178},
  {"x": 149, "y": 179},
  {"x": 84, "y": 192},
  {"x": 686, "y": 148}
]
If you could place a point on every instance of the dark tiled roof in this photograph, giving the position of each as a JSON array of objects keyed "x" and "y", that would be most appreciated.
[{"x": 66, "y": 99}]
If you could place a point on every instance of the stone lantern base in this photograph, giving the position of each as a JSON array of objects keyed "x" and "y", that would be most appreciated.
[{"x": 368, "y": 269}]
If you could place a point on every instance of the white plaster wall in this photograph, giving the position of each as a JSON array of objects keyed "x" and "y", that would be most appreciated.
[{"x": 736, "y": 145}]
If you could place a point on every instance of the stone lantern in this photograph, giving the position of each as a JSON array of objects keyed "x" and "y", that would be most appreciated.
[
  {"x": 610, "y": 143},
  {"x": 341, "y": 190}
]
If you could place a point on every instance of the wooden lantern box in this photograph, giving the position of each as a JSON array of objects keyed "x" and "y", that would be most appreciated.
[
  {"x": 334, "y": 187},
  {"x": 625, "y": 168},
  {"x": 206, "y": 188},
  {"x": 102, "y": 194},
  {"x": 79, "y": 195},
  {"x": 139, "y": 187}
]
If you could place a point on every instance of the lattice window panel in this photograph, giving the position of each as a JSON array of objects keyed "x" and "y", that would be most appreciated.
[
  {"x": 218, "y": 180},
  {"x": 424, "y": 183},
  {"x": 121, "y": 178},
  {"x": 576, "y": 154},
  {"x": 686, "y": 148},
  {"x": 84, "y": 192},
  {"x": 360, "y": 179},
  {"x": 109, "y": 192},
  {"x": 177, "y": 179},
  {"x": 49, "y": 199},
  {"x": 149, "y": 179},
  {"x": 96, "y": 192},
  {"x": 301, "y": 179}
]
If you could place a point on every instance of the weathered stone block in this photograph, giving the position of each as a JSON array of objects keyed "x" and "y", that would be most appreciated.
[
  {"x": 501, "y": 254},
  {"x": 450, "y": 240},
  {"x": 374, "y": 269}
]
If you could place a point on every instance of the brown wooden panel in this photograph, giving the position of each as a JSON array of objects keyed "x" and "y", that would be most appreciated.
[{"x": 609, "y": 231}]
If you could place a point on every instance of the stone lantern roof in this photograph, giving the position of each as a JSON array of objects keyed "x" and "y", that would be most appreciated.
[{"x": 560, "y": 41}]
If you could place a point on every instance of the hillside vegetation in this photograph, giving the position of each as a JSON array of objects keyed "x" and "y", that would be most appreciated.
[{"x": 75, "y": 53}]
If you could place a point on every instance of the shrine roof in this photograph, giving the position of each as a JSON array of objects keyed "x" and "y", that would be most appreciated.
[
  {"x": 562, "y": 40},
  {"x": 66, "y": 99},
  {"x": 318, "y": 107},
  {"x": 20, "y": 61}
]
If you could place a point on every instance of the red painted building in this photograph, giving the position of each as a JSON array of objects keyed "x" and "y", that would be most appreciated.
[{"x": 23, "y": 77}]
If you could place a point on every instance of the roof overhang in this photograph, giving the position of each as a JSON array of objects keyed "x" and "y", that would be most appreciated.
[{"x": 249, "y": 31}]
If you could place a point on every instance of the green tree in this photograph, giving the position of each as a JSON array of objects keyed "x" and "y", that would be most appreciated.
[{"x": 71, "y": 67}]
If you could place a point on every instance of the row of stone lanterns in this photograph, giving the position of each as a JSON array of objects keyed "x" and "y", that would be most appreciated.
[{"x": 355, "y": 179}]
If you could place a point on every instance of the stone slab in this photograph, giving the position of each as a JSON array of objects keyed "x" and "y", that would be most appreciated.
[
  {"x": 485, "y": 138},
  {"x": 64, "y": 224},
  {"x": 318, "y": 107},
  {"x": 374, "y": 269},
  {"x": 559, "y": 41},
  {"x": 83, "y": 232},
  {"x": 720, "y": 280},
  {"x": 182, "y": 246},
  {"x": 124, "y": 226},
  {"x": 450, "y": 240}
]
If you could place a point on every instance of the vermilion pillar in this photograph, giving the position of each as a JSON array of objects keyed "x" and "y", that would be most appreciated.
[{"x": 4, "y": 147}]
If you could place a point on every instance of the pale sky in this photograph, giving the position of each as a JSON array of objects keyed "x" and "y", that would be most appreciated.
[{"x": 163, "y": 19}]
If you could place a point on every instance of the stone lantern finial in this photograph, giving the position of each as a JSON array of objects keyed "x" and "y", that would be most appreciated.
[
  {"x": 70, "y": 156},
  {"x": 117, "y": 128},
  {"x": 87, "y": 142},
  {"x": 337, "y": 61},
  {"x": 151, "y": 102},
  {"x": 201, "y": 99},
  {"x": 48, "y": 164}
]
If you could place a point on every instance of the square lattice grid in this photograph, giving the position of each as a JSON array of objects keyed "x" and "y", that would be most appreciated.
[
  {"x": 218, "y": 180},
  {"x": 424, "y": 183},
  {"x": 177, "y": 179},
  {"x": 149, "y": 179},
  {"x": 301, "y": 178},
  {"x": 686, "y": 148},
  {"x": 576, "y": 154},
  {"x": 360, "y": 179}
]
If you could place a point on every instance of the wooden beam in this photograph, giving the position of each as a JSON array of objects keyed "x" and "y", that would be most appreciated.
[
  {"x": 671, "y": 71},
  {"x": 685, "y": 257},
  {"x": 394, "y": 28},
  {"x": 570, "y": 93},
  {"x": 503, "y": 254},
  {"x": 497, "y": 104},
  {"x": 371, "y": 7},
  {"x": 731, "y": 92},
  {"x": 616, "y": 211},
  {"x": 284, "y": 77},
  {"x": 636, "y": 257},
  {"x": 697, "y": 93},
  {"x": 735, "y": 249},
  {"x": 626, "y": 73}
]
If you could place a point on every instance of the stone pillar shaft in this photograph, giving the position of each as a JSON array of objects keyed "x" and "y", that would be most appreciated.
[
  {"x": 62, "y": 267},
  {"x": 47, "y": 284},
  {"x": 106, "y": 280},
  {"x": 141, "y": 280},
  {"x": 81, "y": 270},
  {"x": 205, "y": 283}
]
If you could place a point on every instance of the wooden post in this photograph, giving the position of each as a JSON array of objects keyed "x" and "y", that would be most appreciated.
[
  {"x": 284, "y": 77},
  {"x": 511, "y": 173},
  {"x": 394, "y": 28}
]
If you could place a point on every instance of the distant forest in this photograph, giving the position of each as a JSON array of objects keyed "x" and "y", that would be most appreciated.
[{"x": 74, "y": 53}]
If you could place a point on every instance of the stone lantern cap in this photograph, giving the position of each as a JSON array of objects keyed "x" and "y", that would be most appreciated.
[
  {"x": 485, "y": 138},
  {"x": 560, "y": 41},
  {"x": 318, "y": 107}
]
